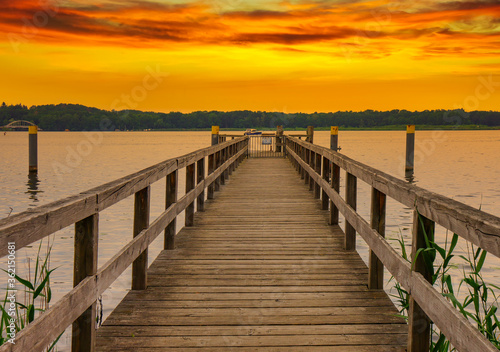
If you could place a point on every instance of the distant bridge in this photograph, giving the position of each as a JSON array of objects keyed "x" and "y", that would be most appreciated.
[{"x": 19, "y": 125}]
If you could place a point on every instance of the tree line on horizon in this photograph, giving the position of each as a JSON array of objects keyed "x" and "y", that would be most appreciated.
[{"x": 82, "y": 118}]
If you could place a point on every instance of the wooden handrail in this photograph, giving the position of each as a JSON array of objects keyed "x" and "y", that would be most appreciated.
[
  {"x": 476, "y": 226},
  {"x": 30, "y": 226}
]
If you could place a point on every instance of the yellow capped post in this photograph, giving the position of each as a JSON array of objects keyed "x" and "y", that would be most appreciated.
[
  {"x": 215, "y": 135},
  {"x": 334, "y": 138},
  {"x": 410, "y": 129},
  {"x": 33, "y": 148}
]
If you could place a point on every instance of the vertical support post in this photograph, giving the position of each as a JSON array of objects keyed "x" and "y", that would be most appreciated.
[
  {"x": 211, "y": 187},
  {"x": 419, "y": 334},
  {"x": 85, "y": 264},
  {"x": 410, "y": 147},
  {"x": 230, "y": 155},
  {"x": 306, "y": 159},
  {"x": 317, "y": 168},
  {"x": 312, "y": 159},
  {"x": 171, "y": 198},
  {"x": 222, "y": 159},
  {"x": 200, "y": 176},
  {"x": 141, "y": 222},
  {"x": 376, "y": 268},
  {"x": 302, "y": 155},
  {"x": 279, "y": 139},
  {"x": 335, "y": 184},
  {"x": 351, "y": 197},
  {"x": 310, "y": 134},
  {"x": 216, "y": 161},
  {"x": 226, "y": 158},
  {"x": 33, "y": 148},
  {"x": 326, "y": 177},
  {"x": 335, "y": 175},
  {"x": 334, "y": 138},
  {"x": 190, "y": 184}
]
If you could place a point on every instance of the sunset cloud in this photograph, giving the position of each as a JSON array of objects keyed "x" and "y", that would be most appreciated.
[{"x": 381, "y": 35}]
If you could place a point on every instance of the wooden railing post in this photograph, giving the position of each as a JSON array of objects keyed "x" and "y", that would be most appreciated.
[
  {"x": 230, "y": 155},
  {"x": 350, "y": 197},
  {"x": 225, "y": 158},
  {"x": 279, "y": 139},
  {"x": 306, "y": 159},
  {"x": 419, "y": 324},
  {"x": 216, "y": 161},
  {"x": 211, "y": 167},
  {"x": 302, "y": 155},
  {"x": 326, "y": 176},
  {"x": 190, "y": 184},
  {"x": 312, "y": 160},
  {"x": 85, "y": 264},
  {"x": 141, "y": 222},
  {"x": 200, "y": 173},
  {"x": 335, "y": 176},
  {"x": 376, "y": 268},
  {"x": 171, "y": 198},
  {"x": 317, "y": 168}
]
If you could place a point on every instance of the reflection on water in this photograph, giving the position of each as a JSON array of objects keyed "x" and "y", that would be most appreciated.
[{"x": 33, "y": 182}]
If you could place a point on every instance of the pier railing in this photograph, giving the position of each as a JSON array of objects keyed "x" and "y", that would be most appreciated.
[
  {"x": 78, "y": 307},
  {"x": 320, "y": 168}
]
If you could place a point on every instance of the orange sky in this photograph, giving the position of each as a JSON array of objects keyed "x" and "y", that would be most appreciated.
[{"x": 296, "y": 55}]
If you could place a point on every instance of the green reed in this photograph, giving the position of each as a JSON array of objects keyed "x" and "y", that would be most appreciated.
[
  {"x": 480, "y": 301},
  {"x": 36, "y": 296}
]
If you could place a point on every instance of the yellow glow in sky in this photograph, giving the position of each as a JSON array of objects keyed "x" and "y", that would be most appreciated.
[{"x": 259, "y": 55}]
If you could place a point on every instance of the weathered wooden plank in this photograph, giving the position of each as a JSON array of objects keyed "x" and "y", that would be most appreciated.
[
  {"x": 278, "y": 274},
  {"x": 35, "y": 224}
]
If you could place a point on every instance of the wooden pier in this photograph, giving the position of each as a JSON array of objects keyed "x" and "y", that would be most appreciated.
[
  {"x": 261, "y": 264},
  {"x": 261, "y": 270}
]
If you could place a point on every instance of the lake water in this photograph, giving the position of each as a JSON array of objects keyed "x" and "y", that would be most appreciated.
[{"x": 463, "y": 165}]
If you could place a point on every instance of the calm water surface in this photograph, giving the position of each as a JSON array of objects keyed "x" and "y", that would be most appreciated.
[{"x": 463, "y": 165}]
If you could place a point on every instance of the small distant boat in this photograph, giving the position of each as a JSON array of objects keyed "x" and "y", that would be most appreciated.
[{"x": 252, "y": 132}]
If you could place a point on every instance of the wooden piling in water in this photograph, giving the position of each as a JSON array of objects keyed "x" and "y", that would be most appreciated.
[
  {"x": 33, "y": 148},
  {"x": 310, "y": 134},
  {"x": 410, "y": 147}
]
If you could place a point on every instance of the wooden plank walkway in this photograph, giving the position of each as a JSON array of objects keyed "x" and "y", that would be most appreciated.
[{"x": 261, "y": 270}]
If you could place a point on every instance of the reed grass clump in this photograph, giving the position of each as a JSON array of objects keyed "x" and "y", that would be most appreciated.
[
  {"x": 478, "y": 300},
  {"x": 31, "y": 300}
]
